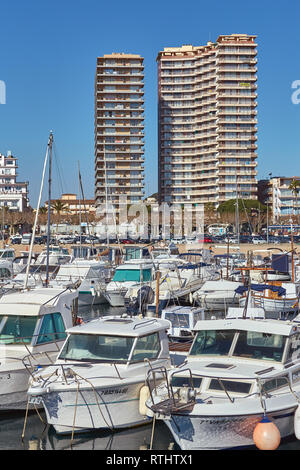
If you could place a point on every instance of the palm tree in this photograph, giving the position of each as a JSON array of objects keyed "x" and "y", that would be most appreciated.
[
  {"x": 295, "y": 187},
  {"x": 59, "y": 207}
]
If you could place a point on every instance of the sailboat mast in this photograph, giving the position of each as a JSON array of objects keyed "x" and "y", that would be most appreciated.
[
  {"x": 237, "y": 222},
  {"x": 37, "y": 211},
  {"x": 106, "y": 198},
  {"x": 79, "y": 200},
  {"x": 49, "y": 207}
]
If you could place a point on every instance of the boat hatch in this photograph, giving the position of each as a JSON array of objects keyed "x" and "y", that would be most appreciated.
[
  {"x": 229, "y": 386},
  {"x": 221, "y": 366}
]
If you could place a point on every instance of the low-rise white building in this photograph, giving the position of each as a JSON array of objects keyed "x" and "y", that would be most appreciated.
[
  {"x": 13, "y": 194},
  {"x": 279, "y": 196}
]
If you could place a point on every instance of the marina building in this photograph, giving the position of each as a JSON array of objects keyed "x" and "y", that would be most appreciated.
[
  {"x": 13, "y": 194},
  {"x": 207, "y": 121},
  {"x": 119, "y": 129}
]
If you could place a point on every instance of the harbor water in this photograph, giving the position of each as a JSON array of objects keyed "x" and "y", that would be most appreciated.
[{"x": 39, "y": 436}]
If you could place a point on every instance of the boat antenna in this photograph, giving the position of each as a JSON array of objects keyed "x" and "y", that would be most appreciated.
[{"x": 37, "y": 210}]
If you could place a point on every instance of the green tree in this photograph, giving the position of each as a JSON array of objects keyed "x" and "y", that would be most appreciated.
[
  {"x": 295, "y": 187},
  {"x": 59, "y": 207}
]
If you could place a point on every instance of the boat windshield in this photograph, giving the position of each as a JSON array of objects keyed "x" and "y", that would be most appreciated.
[
  {"x": 178, "y": 320},
  {"x": 212, "y": 342},
  {"x": 258, "y": 345},
  {"x": 16, "y": 329},
  {"x": 94, "y": 348},
  {"x": 247, "y": 344},
  {"x": 123, "y": 275}
]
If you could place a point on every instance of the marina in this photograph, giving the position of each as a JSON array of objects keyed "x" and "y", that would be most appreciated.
[
  {"x": 149, "y": 230},
  {"x": 108, "y": 354},
  {"x": 39, "y": 436}
]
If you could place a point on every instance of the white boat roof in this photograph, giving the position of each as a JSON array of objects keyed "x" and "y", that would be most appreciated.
[
  {"x": 32, "y": 301},
  {"x": 277, "y": 327},
  {"x": 121, "y": 326},
  {"x": 136, "y": 264},
  {"x": 220, "y": 284},
  {"x": 181, "y": 309}
]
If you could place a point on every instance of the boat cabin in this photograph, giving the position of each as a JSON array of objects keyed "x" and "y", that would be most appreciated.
[
  {"x": 122, "y": 340},
  {"x": 36, "y": 317},
  {"x": 183, "y": 321}
]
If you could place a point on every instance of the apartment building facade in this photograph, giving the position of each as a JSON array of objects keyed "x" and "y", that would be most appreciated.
[
  {"x": 13, "y": 194},
  {"x": 281, "y": 199},
  {"x": 119, "y": 129},
  {"x": 207, "y": 121}
]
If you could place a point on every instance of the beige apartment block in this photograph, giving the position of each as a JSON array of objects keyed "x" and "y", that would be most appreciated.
[
  {"x": 207, "y": 121},
  {"x": 119, "y": 129}
]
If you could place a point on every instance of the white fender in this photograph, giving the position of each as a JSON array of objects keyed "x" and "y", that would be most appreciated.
[
  {"x": 144, "y": 395},
  {"x": 297, "y": 422}
]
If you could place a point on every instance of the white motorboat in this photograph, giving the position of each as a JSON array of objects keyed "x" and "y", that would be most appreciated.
[
  {"x": 175, "y": 281},
  {"x": 217, "y": 295},
  {"x": 91, "y": 275},
  {"x": 98, "y": 380},
  {"x": 132, "y": 272},
  {"x": 238, "y": 371},
  {"x": 32, "y": 330}
]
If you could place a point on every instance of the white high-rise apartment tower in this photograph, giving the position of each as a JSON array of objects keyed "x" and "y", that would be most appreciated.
[
  {"x": 207, "y": 121},
  {"x": 119, "y": 129}
]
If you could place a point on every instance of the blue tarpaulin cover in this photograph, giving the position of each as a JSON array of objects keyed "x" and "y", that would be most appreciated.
[
  {"x": 260, "y": 288},
  {"x": 280, "y": 263}
]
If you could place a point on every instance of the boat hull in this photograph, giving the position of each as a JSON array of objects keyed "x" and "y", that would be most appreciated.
[
  {"x": 115, "y": 298},
  {"x": 94, "y": 408},
  {"x": 192, "y": 432},
  {"x": 88, "y": 298}
]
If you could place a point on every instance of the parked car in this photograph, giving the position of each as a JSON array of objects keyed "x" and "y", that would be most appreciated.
[
  {"x": 127, "y": 241},
  {"x": 16, "y": 239},
  {"x": 205, "y": 239},
  {"x": 26, "y": 239},
  {"x": 38, "y": 240},
  {"x": 258, "y": 240}
]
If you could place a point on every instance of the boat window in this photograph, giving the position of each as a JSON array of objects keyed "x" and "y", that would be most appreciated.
[
  {"x": 97, "y": 348},
  {"x": 197, "y": 317},
  {"x": 294, "y": 349},
  {"x": 212, "y": 342},
  {"x": 52, "y": 328},
  {"x": 258, "y": 345},
  {"x": 275, "y": 383},
  {"x": 230, "y": 386},
  {"x": 4, "y": 273},
  {"x": 17, "y": 328},
  {"x": 146, "y": 347},
  {"x": 7, "y": 254},
  {"x": 178, "y": 320},
  {"x": 178, "y": 381},
  {"x": 122, "y": 275}
]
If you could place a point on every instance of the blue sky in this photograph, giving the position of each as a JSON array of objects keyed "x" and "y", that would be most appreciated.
[{"x": 48, "y": 59}]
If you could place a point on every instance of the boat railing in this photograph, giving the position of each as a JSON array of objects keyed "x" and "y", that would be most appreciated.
[
  {"x": 27, "y": 341},
  {"x": 147, "y": 322},
  {"x": 172, "y": 402},
  {"x": 175, "y": 401}
]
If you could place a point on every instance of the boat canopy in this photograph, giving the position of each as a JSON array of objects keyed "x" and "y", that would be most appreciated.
[{"x": 260, "y": 288}]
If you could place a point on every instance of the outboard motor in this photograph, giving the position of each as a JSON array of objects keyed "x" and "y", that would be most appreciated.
[{"x": 137, "y": 305}]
